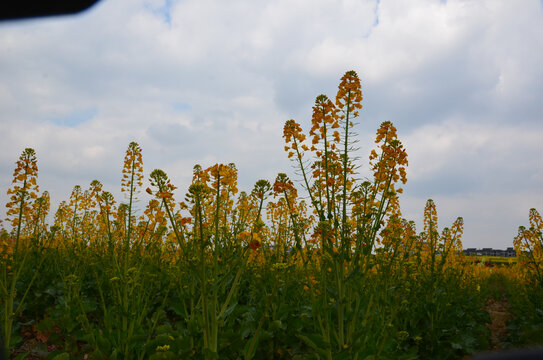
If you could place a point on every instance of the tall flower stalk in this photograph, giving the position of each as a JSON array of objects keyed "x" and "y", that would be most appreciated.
[
  {"x": 350, "y": 215},
  {"x": 25, "y": 219},
  {"x": 132, "y": 180}
]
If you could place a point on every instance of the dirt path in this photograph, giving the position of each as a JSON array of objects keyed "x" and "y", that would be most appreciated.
[{"x": 499, "y": 314}]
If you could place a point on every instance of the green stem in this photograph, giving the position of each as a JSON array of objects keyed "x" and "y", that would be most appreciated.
[
  {"x": 345, "y": 163},
  {"x": 302, "y": 168},
  {"x": 129, "y": 218}
]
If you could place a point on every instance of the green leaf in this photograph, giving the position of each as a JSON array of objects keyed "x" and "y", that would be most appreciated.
[
  {"x": 344, "y": 355},
  {"x": 22, "y": 356},
  {"x": 250, "y": 347},
  {"x": 178, "y": 309},
  {"x": 246, "y": 331},
  {"x": 229, "y": 310},
  {"x": 63, "y": 356},
  {"x": 53, "y": 354},
  {"x": 113, "y": 355},
  {"x": 210, "y": 354},
  {"x": 276, "y": 325},
  {"x": 103, "y": 343},
  {"x": 15, "y": 339},
  {"x": 313, "y": 341},
  {"x": 164, "y": 329}
]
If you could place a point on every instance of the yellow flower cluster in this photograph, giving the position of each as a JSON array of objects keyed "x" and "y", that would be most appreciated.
[{"x": 529, "y": 248}]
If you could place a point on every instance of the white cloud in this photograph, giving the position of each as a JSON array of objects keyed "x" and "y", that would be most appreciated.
[
  {"x": 208, "y": 81},
  {"x": 433, "y": 148}
]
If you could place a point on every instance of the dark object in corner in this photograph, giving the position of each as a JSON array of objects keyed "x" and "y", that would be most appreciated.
[
  {"x": 20, "y": 9},
  {"x": 516, "y": 354}
]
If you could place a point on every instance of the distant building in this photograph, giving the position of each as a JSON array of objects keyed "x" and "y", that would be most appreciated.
[{"x": 509, "y": 252}]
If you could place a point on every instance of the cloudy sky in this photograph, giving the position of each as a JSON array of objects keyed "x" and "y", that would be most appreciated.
[{"x": 207, "y": 81}]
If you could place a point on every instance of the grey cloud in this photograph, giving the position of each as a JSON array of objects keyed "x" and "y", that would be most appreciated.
[{"x": 446, "y": 65}]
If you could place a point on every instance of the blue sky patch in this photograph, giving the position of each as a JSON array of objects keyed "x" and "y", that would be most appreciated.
[
  {"x": 180, "y": 106},
  {"x": 75, "y": 118},
  {"x": 163, "y": 11},
  {"x": 376, "y": 21}
]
